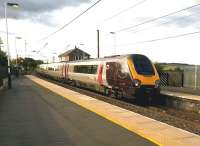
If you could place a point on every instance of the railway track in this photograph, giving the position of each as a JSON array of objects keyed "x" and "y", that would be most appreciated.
[{"x": 186, "y": 120}]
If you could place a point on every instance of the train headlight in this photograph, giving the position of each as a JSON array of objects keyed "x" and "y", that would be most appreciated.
[
  {"x": 157, "y": 83},
  {"x": 137, "y": 83}
]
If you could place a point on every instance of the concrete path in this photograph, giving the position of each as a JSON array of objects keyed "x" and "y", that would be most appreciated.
[{"x": 31, "y": 115}]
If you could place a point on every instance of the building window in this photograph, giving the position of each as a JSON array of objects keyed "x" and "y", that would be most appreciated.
[
  {"x": 79, "y": 57},
  {"x": 75, "y": 58}
]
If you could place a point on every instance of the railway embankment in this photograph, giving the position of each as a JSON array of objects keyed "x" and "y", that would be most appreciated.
[{"x": 188, "y": 99}]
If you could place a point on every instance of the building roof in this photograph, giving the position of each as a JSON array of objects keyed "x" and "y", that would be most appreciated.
[{"x": 71, "y": 50}]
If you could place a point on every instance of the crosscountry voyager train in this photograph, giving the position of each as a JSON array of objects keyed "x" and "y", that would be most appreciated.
[{"x": 117, "y": 76}]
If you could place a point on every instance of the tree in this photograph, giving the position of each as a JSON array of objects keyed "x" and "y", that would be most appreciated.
[
  {"x": 39, "y": 62},
  {"x": 1, "y": 42},
  {"x": 178, "y": 69},
  {"x": 3, "y": 58},
  {"x": 159, "y": 67},
  {"x": 3, "y": 64},
  {"x": 29, "y": 64}
]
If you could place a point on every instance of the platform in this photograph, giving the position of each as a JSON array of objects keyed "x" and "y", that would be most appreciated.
[
  {"x": 185, "y": 101},
  {"x": 31, "y": 115},
  {"x": 155, "y": 131}
]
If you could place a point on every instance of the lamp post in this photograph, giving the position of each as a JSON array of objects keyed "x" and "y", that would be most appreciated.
[
  {"x": 25, "y": 45},
  {"x": 16, "y": 49},
  {"x": 8, "y": 52},
  {"x": 98, "y": 43},
  {"x": 115, "y": 41}
]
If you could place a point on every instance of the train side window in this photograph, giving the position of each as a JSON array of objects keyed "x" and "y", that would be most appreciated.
[
  {"x": 50, "y": 68},
  {"x": 86, "y": 69},
  {"x": 94, "y": 69},
  {"x": 76, "y": 69}
]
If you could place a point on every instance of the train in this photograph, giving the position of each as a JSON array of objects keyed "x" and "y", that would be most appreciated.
[{"x": 121, "y": 76}]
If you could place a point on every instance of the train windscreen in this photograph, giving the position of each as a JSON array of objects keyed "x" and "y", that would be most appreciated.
[{"x": 143, "y": 65}]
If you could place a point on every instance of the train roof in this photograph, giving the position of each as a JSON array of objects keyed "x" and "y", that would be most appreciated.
[
  {"x": 99, "y": 59},
  {"x": 102, "y": 59}
]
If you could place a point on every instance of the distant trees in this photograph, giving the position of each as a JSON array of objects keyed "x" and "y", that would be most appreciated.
[
  {"x": 159, "y": 67},
  {"x": 164, "y": 67},
  {"x": 1, "y": 42},
  {"x": 27, "y": 64},
  {"x": 3, "y": 64},
  {"x": 3, "y": 58}
]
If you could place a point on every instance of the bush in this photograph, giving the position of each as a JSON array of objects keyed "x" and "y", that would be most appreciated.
[{"x": 3, "y": 58}]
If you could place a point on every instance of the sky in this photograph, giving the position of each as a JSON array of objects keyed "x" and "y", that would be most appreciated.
[{"x": 128, "y": 20}]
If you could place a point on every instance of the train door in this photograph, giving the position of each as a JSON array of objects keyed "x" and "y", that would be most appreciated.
[
  {"x": 100, "y": 74},
  {"x": 111, "y": 73},
  {"x": 63, "y": 70},
  {"x": 66, "y": 71}
]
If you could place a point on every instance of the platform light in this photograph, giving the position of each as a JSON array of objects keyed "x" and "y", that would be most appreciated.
[{"x": 14, "y": 5}]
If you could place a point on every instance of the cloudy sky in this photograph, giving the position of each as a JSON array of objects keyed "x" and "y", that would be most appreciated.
[{"x": 133, "y": 22}]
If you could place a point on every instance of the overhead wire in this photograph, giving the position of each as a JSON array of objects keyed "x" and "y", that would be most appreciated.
[
  {"x": 125, "y": 10},
  {"x": 134, "y": 26},
  {"x": 170, "y": 37},
  {"x": 70, "y": 22},
  {"x": 163, "y": 38},
  {"x": 155, "y": 19},
  {"x": 159, "y": 24}
]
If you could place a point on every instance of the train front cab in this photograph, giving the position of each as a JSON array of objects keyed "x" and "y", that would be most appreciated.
[{"x": 144, "y": 77}]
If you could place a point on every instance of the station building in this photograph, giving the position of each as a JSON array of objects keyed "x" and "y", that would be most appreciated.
[{"x": 74, "y": 54}]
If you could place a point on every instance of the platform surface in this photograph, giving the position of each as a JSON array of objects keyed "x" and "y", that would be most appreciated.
[
  {"x": 182, "y": 95},
  {"x": 31, "y": 115},
  {"x": 155, "y": 131}
]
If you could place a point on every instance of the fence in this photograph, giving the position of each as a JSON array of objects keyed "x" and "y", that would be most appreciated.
[
  {"x": 172, "y": 78},
  {"x": 189, "y": 77},
  {"x": 192, "y": 77},
  {"x": 3, "y": 74}
]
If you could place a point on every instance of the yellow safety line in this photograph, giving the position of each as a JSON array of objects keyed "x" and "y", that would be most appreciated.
[{"x": 101, "y": 114}]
